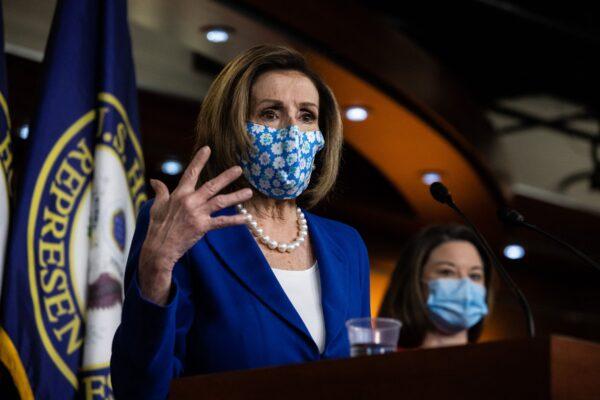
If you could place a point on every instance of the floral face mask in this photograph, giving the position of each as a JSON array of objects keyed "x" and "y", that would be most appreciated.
[{"x": 280, "y": 161}]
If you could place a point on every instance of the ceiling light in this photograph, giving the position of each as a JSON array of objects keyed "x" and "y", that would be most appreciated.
[
  {"x": 356, "y": 113},
  {"x": 171, "y": 167},
  {"x": 514, "y": 252},
  {"x": 431, "y": 177},
  {"x": 217, "y": 35},
  {"x": 24, "y": 131}
]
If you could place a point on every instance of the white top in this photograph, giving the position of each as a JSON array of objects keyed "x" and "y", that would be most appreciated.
[{"x": 303, "y": 288}]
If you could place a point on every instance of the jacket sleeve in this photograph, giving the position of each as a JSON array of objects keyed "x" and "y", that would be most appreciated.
[
  {"x": 364, "y": 272},
  {"x": 149, "y": 346}
]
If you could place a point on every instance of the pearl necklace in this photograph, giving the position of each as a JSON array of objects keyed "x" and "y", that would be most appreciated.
[{"x": 273, "y": 244}]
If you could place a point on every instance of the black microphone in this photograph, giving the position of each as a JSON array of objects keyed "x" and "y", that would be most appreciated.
[
  {"x": 514, "y": 218},
  {"x": 510, "y": 216},
  {"x": 441, "y": 194}
]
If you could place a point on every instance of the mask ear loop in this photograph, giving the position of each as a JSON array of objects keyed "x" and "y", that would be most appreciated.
[{"x": 318, "y": 134}]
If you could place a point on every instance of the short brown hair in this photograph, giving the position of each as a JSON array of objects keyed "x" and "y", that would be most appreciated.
[
  {"x": 225, "y": 109},
  {"x": 404, "y": 299}
]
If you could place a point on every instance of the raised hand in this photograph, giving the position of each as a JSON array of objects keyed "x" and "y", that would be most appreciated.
[{"x": 179, "y": 219}]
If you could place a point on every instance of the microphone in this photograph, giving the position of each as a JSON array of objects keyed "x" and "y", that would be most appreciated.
[
  {"x": 441, "y": 194},
  {"x": 514, "y": 218}
]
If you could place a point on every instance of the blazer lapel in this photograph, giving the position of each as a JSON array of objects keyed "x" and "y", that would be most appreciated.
[
  {"x": 240, "y": 253},
  {"x": 334, "y": 273}
]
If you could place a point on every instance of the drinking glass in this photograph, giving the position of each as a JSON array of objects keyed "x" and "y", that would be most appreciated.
[{"x": 372, "y": 336}]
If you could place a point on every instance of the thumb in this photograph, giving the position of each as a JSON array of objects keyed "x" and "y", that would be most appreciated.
[{"x": 161, "y": 190}]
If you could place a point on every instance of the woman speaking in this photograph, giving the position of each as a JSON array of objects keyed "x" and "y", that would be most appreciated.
[{"x": 227, "y": 271}]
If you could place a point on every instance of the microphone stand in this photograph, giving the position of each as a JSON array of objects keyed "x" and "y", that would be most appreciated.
[{"x": 513, "y": 217}]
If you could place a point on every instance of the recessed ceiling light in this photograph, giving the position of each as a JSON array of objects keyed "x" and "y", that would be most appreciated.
[
  {"x": 356, "y": 113},
  {"x": 431, "y": 177},
  {"x": 514, "y": 252},
  {"x": 24, "y": 131},
  {"x": 171, "y": 167},
  {"x": 217, "y": 34}
]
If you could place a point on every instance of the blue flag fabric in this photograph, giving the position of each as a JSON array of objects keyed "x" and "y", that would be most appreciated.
[
  {"x": 6, "y": 155},
  {"x": 87, "y": 113}
]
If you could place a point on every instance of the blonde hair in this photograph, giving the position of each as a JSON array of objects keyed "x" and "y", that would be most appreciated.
[{"x": 226, "y": 107}]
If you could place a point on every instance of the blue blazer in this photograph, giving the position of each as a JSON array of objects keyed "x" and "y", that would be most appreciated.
[{"x": 227, "y": 311}]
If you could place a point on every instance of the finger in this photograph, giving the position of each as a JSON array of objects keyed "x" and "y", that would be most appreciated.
[
  {"x": 192, "y": 172},
  {"x": 225, "y": 200},
  {"x": 161, "y": 190},
  {"x": 224, "y": 221},
  {"x": 215, "y": 185}
]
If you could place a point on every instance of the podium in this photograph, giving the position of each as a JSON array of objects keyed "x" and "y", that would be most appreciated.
[{"x": 554, "y": 367}]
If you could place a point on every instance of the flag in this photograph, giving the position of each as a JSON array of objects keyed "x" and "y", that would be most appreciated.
[
  {"x": 82, "y": 186},
  {"x": 5, "y": 154}
]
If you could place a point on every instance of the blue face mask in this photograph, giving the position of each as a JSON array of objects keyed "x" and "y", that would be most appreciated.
[
  {"x": 280, "y": 161},
  {"x": 456, "y": 304}
]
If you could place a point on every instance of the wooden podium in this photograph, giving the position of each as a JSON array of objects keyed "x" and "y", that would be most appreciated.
[{"x": 544, "y": 368}]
